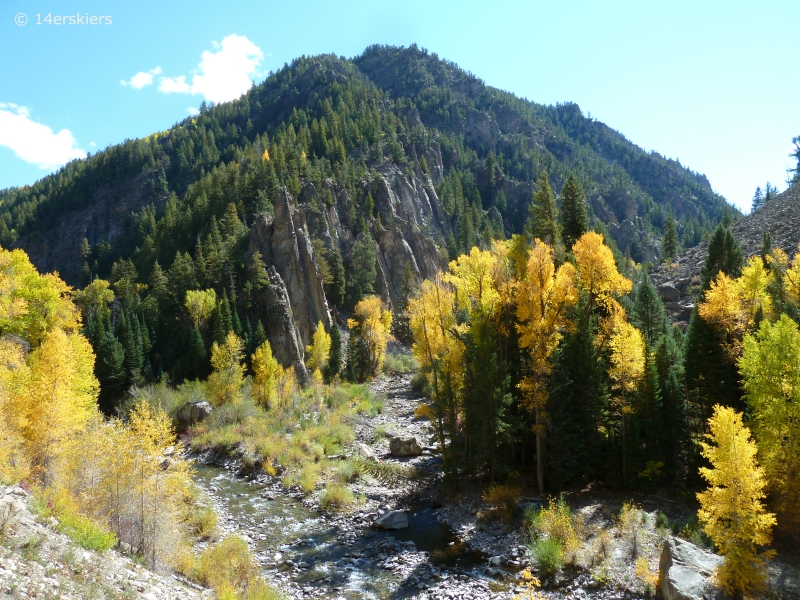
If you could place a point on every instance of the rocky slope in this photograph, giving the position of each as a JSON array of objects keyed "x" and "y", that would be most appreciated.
[
  {"x": 37, "y": 562},
  {"x": 679, "y": 282}
]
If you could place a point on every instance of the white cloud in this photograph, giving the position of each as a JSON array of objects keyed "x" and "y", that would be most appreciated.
[
  {"x": 174, "y": 85},
  {"x": 222, "y": 75},
  {"x": 193, "y": 111},
  {"x": 141, "y": 79},
  {"x": 33, "y": 142}
]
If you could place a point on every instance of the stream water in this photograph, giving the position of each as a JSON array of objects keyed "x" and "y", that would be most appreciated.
[{"x": 326, "y": 557}]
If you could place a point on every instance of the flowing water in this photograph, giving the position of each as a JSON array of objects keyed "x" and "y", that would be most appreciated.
[{"x": 328, "y": 557}]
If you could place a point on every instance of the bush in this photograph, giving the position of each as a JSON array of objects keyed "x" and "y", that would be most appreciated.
[
  {"x": 336, "y": 497},
  {"x": 631, "y": 519},
  {"x": 228, "y": 565},
  {"x": 556, "y": 522},
  {"x": 662, "y": 522},
  {"x": 502, "y": 501},
  {"x": 548, "y": 554},
  {"x": 418, "y": 383},
  {"x": 399, "y": 364},
  {"x": 86, "y": 533}
]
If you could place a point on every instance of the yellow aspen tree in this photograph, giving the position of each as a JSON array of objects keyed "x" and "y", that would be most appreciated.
[
  {"x": 13, "y": 375},
  {"x": 473, "y": 276},
  {"x": 226, "y": 381},
  {"x": 33, "y": 304},
  {"x": 731, "y": 508},
  {"x": 95, "y": 298},
  {"x": 731, "y": 305},
  {"x": 792, "y": 278},
  {"x": 626, "y": 371},
  {"x": 267, "y": 374},
  {"x": 598, "y": 276},
  {"x": 439, "y": 352},
  {"x": 372, "y": 324},
  {"x": 543, "y": 298},
  {"x": 318, "y": 351},
  {"x": 61, "y": 395},
  {"x": 770, "y": 368},
  {"x": 200, "y": 304}
]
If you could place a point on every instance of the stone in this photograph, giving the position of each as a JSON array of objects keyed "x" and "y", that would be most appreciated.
[
  {"x": 192, "y": 413},
  {"x": 404, "y": 446},
  {"x": 668, "y": 292},
  {"x": 496, "y": 561},
  {"x": 686, "y": 571},
  {"x": 393, "y": 519},
  {"x": 365, "y": 451}
]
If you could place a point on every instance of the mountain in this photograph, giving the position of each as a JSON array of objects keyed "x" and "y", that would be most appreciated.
[
  {"x": 331, "y": 179},
  {"x": 679, "y": 282}
]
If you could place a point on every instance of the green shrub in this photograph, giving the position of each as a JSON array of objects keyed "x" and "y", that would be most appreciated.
[
  {"x": 86, "y": 532},
  {"x": 347, "y": 471},
  {"x": 662, "y": 522},
  {"x": 399, "y": 364},
  {"x": 548, "y": 554}
]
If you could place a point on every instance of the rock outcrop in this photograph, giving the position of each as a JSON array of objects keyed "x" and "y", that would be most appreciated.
[
  {"x": 285, "y": 243},
  {"x": 281, "y": 329},
  {"x": 686, "y": 571}
]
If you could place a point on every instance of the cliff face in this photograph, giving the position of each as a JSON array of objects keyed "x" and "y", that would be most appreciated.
[{"x": 678, "y": 283}]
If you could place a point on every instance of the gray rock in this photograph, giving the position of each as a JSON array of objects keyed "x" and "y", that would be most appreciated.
[
  {"x": 192, "y": 413},
  {"x": 686, "y": 571},
  {"x": 365, "y": 451},
  {"x": 668, "y": 292},
  {"x": 393, "y": 519},
  {"x": 404, "y": 446},
  {"x": 496, "y": 561}
]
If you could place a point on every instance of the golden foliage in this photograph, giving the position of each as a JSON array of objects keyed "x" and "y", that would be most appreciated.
[
  {"x": 543, "y": 298},
  {"x": 225, "y": 383},
  {"x": 33, "y": 304},
  {"x": 627, "y": 357},
  {"x": 531, "y": 585},
  {"x": 372, "y": 324},
  {"x": 597, "y": 272},
  {"x": 95, "y": 297},
  {"x": 319, "y": 350},
  {"x": 267, "y": 375},
  {"x": 731, "y": 508},
  {"x": 474, "y": 276}
]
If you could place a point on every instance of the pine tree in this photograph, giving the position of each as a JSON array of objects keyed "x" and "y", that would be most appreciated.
[
  {"x": 669, "y": 246},
  {"x": 574, "y": 222},
  {"x": 648, "y": 311},
  {"x": 758, "y": 200},
  {"x": 335, "y": 291},
  {"x": 197, "y": 356},
  {"x": 731, "y": 509},
  {"x": 542, "y": 223},
  {"x": 362, "y": 280},
  {"x": 335, "y": 357}
]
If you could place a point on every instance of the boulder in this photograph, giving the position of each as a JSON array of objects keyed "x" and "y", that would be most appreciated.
[
  {"x": 404, "y": 446},
  {"x": 365, "y": 451},
  {"x": 686, "y": 571},
  {"x": 668, "y": 292},
  {"x": 392, "y": 519},
  {"x": 192, "y": 413}
]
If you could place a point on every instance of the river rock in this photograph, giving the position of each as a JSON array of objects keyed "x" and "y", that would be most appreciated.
[
  {"x": 365, "y": 451},
  {"x": 192, "y": 413},
  {"x": 404, "y": 446},
  {"x": 393, "y": 519},
  {"x": 686, "y": 571}
]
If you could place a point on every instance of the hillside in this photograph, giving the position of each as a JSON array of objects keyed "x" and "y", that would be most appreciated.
[
  {"x": 280, "y": 199},
  {"x": 679, "y": 282}
]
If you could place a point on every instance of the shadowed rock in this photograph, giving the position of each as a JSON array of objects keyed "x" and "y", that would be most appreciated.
[
  {"x": 393, "y": 519},
  {"x": 404, "y": 446},
  {"x": 686, "y": 571},
  {"x": 192, "y": 413}
]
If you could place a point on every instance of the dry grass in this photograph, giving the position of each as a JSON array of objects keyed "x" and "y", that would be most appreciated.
[{"x": 503, "y": 501}]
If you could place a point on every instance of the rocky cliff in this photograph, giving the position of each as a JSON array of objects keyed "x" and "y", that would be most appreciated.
[{"x": 679, "y": 282}]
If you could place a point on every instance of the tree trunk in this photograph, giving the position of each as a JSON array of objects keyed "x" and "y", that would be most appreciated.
[{"x": 539, "y": 458}]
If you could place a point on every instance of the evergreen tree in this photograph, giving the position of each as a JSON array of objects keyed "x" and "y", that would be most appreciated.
[
  {"x": 197, "y": 356},
  {"x": 259, "y": 335},
  {"x": 758, "y": 200},
  {"x": 670, "y": 367},
  {"x": 724, "y": 254},
  {"x": 794, "y": 174},
  {"x": 669, "y": 246},
  {"x": 648, "y": 311},
  {"x": 335, "y": 291},
  {"x": 542, "y": 223},
  {"x": 362, "y": 280},
  {"x": 335, "y": 358},
  {"x": 574, "y": 222}
]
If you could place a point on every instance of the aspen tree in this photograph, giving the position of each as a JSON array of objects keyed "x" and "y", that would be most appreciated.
[{"x": 731, "y": 508}]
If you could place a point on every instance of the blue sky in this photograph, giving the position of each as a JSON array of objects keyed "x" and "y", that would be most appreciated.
[{"x": 710, "y": 83}]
